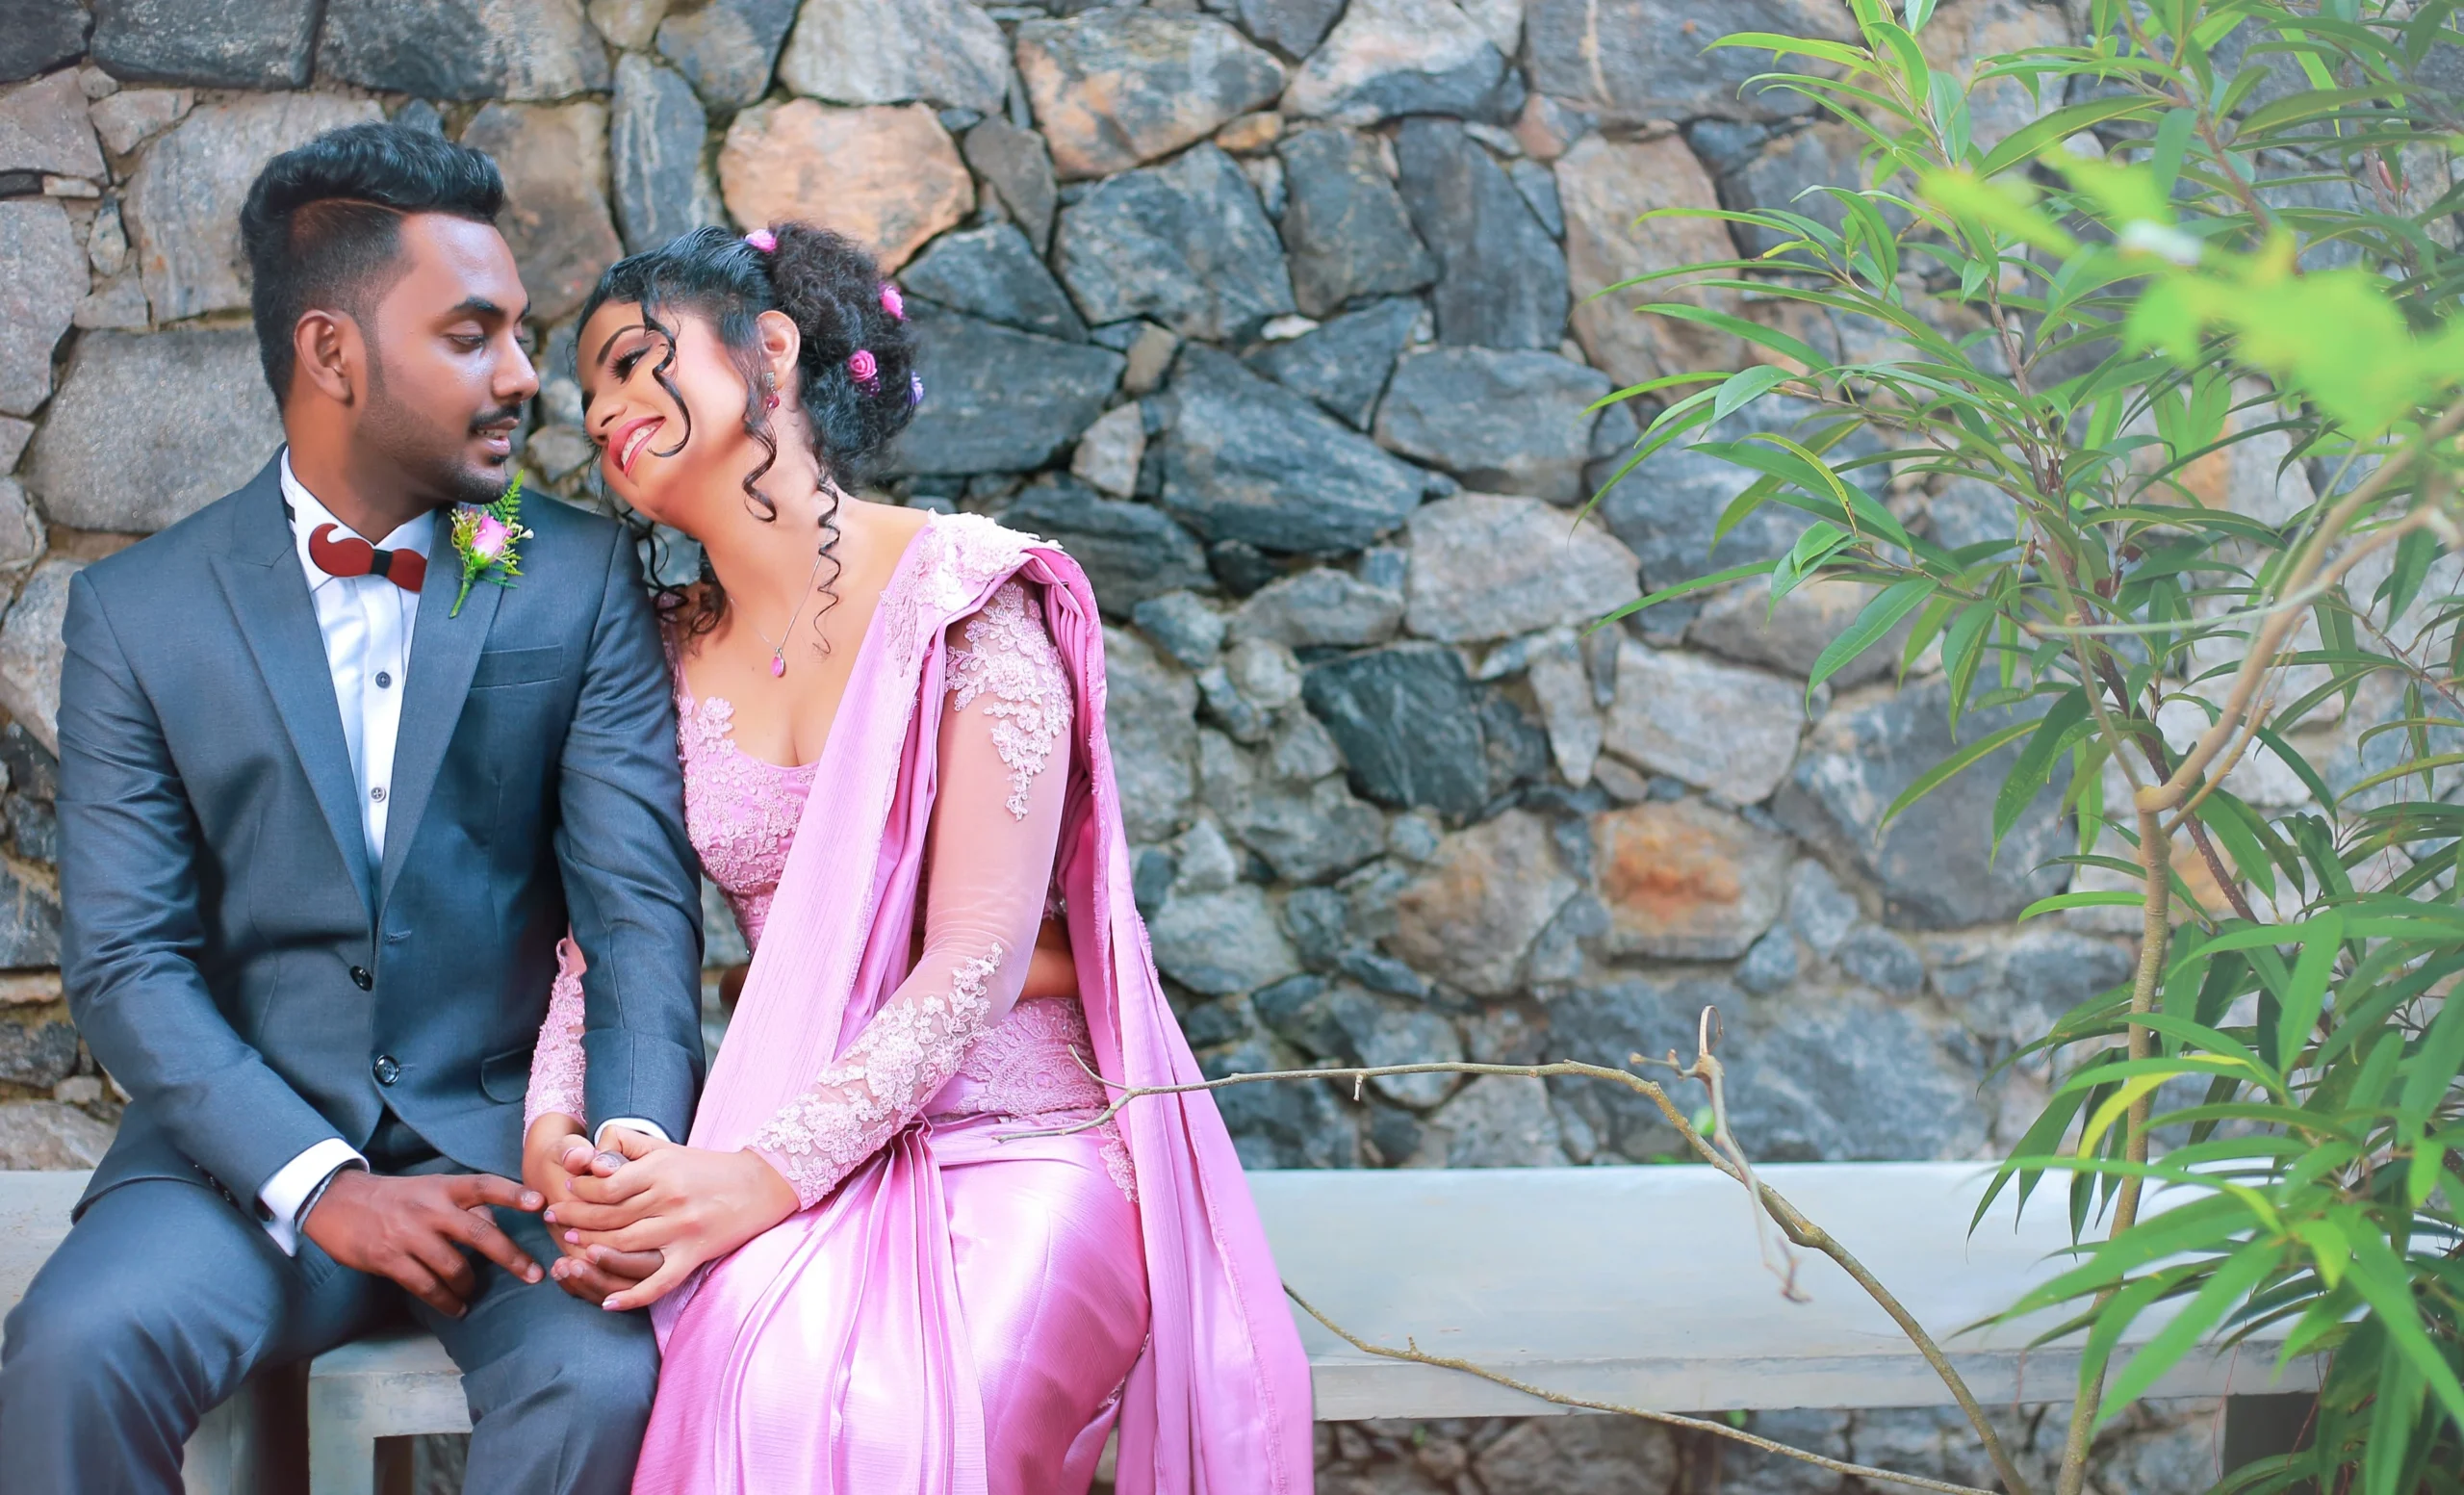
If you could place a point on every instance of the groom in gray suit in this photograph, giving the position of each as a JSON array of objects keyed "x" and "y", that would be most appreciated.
[{"x": 322, "y": 821}]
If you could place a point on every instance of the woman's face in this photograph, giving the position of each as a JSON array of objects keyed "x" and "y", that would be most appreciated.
[{"x": 672, "y": 456}]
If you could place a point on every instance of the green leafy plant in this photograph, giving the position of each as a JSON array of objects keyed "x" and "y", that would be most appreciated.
[{"x": 2218, "y": 268}]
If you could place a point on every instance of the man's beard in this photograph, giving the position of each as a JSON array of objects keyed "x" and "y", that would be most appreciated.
[{"x": 432, "y": 458}]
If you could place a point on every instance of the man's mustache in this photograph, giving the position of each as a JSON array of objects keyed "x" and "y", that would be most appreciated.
[{"x": 510, "y": 415}]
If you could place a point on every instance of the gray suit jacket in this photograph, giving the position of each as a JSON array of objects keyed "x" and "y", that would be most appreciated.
[{"x": 230, "y": 956}]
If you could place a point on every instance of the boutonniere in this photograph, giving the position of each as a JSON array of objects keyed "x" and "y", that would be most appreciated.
[{"x": 487, "y": 536}]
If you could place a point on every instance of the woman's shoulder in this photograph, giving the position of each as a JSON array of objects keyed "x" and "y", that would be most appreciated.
[{"x": 959, "y": 556}]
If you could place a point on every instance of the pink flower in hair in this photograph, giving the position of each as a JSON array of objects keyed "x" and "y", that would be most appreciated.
[
  {"x": 763, "y": 239},
  {"x": 892, "y": 302},
  {"x": 861, "y": 365}
]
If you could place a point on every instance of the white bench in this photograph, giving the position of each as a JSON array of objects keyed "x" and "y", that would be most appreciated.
[{"x": 1637, "y": 1285}]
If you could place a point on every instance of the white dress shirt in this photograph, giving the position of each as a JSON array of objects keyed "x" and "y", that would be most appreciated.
[{"x": 366, "y": 623}]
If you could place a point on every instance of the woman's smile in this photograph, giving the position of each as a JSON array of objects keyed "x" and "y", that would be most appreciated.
[{"x": 629, "y": 440}]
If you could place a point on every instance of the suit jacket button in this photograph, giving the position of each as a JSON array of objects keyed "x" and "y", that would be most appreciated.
[
  {"x": 361, "y": 978},
  {"x": 387, "y": 1069}
]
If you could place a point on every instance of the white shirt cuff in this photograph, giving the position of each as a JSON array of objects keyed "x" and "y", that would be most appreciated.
[
  {"x": 290, "y": 1185},
  {"x": 599, "y": 1138}
]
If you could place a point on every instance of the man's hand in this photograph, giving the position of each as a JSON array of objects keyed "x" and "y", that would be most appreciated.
[
  {"x": 414, "y": 1231},
  {"x": 557, "y": 1153}
]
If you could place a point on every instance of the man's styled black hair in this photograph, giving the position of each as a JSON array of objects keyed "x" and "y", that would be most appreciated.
[{"x": 323, "y": 227}]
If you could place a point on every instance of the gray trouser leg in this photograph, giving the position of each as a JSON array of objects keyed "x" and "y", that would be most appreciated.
[
  {"x": 154, "y": 1309},
  {"x": 560, "y": 1391}
]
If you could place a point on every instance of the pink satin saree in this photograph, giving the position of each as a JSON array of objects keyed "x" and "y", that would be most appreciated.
[{"x": 835, "y": 1353}]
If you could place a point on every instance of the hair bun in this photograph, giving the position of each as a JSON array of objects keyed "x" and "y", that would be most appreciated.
[{"x": 859, "y": 356}]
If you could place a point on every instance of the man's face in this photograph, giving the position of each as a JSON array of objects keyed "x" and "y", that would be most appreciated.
[{"x": 448, "y": 372}]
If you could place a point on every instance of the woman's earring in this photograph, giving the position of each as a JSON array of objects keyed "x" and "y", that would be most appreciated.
[{"x": 770, "y": 383}]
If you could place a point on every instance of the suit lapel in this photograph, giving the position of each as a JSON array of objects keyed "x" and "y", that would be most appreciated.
[
  {"x": 445, "y": 654},
  {"x": 261, "y": 576}
]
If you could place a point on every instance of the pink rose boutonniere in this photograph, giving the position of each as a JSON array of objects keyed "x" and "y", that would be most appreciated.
[{"x": 487, "y": 537}]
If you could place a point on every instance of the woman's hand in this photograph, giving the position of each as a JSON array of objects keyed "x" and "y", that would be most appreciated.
[
  {"x": 689, "y": 1205},
  {"x": 543, "y": 1168},
  {"x": 556, "y": 1153}
]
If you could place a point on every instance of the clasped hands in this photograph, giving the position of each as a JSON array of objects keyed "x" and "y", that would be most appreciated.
[{"x": 633, "y": 1221}]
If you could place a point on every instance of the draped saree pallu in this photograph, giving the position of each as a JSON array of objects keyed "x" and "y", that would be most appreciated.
[{"x": 960, "y": 1309}]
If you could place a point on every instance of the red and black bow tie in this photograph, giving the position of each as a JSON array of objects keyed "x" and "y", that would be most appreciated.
[{"x": 352, "y": 556}]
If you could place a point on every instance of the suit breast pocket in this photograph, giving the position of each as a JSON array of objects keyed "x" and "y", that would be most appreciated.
[
  {"x": 506, "y": 1077},
  {"x": 500, "y": 667}
]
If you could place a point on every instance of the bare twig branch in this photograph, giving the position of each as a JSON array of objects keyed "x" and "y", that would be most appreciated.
[
  {"x": 2270, "y": 635},
  {"x": 2155, "y": 935},
  {"x": 1713, "y": 1075},
  {"x": 1792, "y": 1222},
  {"x": 1415, "y": 1355}
]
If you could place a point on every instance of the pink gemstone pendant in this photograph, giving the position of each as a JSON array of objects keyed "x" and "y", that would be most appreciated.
[{"x": 778, "y": 665}]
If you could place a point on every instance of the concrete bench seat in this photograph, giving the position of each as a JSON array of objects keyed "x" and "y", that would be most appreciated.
[{"x": 1638, "y": 1285}]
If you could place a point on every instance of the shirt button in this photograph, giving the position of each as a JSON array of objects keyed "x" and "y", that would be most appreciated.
[
  {"x": 361, "y": 978},
  {"x": 383, "y": 680},
  {"x": 385, "y": 1069},
  {"x": 378, "y": 794}
]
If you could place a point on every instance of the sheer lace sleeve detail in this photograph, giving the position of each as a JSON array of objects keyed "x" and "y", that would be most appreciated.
[
  {"x": 996, "y": 824},
  {"x": 1011, "y": 664},
  {"x": 556, "y": 1065}
]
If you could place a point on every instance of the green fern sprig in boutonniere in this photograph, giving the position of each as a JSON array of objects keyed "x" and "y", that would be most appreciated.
[{"x": 487, "y": 536}]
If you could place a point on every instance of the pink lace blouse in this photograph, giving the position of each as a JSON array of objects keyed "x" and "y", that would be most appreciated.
[{"x": 950, "y": 1030}]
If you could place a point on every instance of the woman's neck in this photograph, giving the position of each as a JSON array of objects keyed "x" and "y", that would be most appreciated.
[{"x": 768, "y": 567}]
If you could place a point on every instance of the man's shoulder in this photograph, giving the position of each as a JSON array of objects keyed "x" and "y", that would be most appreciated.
[
  {"x": 172, "y": 555},
  {"x": 564, "y": 528}
]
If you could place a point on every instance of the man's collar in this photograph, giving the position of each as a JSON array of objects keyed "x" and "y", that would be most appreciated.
[{"x": 308, "y": 513}]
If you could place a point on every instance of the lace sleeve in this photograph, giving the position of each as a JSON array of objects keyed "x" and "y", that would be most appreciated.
[
  {"x": 998, "y": 817},
  {"x": 556, "y": 1065}
]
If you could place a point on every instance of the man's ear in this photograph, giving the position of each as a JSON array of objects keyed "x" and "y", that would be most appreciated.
[{"x": 329, "y": 355}]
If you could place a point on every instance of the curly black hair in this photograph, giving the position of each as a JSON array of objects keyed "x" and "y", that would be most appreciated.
[{"x": 858, "y": 387}]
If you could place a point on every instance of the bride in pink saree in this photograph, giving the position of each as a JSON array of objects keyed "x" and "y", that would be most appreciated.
[{"x": 897, "y": 1254}]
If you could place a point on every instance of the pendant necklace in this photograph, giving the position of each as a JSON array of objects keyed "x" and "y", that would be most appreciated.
[{"x": 779, "y": 650}]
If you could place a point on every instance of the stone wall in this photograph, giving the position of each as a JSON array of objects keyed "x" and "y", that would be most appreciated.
[{"x": 1280, "y": 315}]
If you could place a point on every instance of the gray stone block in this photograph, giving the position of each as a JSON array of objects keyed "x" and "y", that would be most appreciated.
[
  {"x": 1186, "y": 244},
  {"x": 1131, "y": 550},
  {"x": 893, "y": 51},
  {"x": 656, "y": 130},
  {"x": 464, "y": 49},
  {"x": 1408, "y": 723},
  {"x": 1502, "y": 421},
  {"x": 209, "y": 425},
  {"x": 1632, "y": 60},
  {"x": 1501, "y": 276},
  {"x": 1937, "y": 865},
  {"x": 1248, "y": 460},
  {"x": 997, "y": 400},
  {"x": 1392, "y": 58},
  {"x": 37, "y": 36},
  {"x": 1344, "y": 224},
  {"x": 1344, "y": 363},
  {"x": 1120, "y": 86},
  {"x": 993, "y": 273},
  {"x": 211, "y": 44},
  {"x": 728, "y": 47},
  {"x": 42, "y": 278}
]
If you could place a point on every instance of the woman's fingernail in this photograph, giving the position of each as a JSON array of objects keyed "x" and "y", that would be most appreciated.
[
  {"x": 549, "y": 1217},
  {"x": 572, "y": 1237}
]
